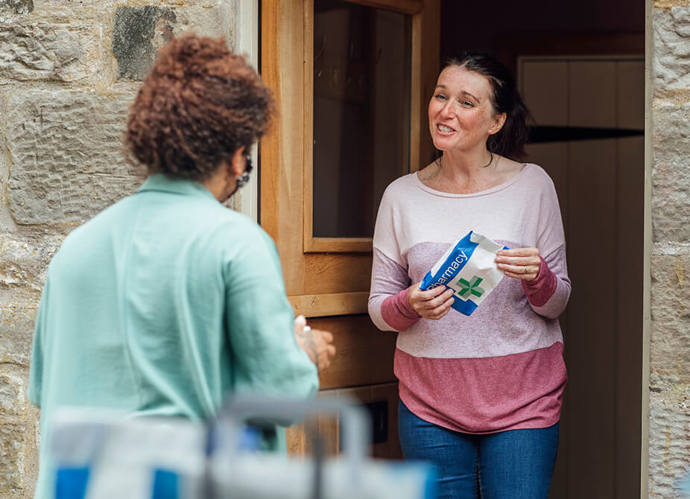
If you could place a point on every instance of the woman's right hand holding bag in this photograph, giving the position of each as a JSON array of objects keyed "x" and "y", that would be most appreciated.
[{"x": 431, "y": 304}]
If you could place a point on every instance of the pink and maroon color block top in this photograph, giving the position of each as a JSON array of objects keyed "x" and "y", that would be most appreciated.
[{"x": 502, "y": 367}]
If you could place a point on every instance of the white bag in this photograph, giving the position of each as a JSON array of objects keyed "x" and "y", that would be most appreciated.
[
  {"x": 468, "y": 268},
  {"x": 104, "y": 455}
]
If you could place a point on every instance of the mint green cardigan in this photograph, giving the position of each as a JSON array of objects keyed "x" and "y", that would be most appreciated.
[{"x": 162, "y": 305}]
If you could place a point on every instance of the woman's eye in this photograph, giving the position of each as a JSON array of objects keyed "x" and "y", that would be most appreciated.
[
  {"x": 467, "y": 103},
  {"x": 440, "y": 97}
]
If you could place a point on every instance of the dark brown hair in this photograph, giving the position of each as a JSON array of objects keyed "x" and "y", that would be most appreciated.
[
  {"x": 510, "y": 140},
  {"x": 198, "y": 105}
]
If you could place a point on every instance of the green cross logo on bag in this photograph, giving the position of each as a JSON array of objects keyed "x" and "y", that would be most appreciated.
[
  {"x": 471, "y": 287},
  {"x": 468, "y": 263}
]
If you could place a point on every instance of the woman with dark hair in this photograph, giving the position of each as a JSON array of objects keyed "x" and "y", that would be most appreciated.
[
  {"x": 167, "y": 302},
  {"x": 480, "y": 395}
]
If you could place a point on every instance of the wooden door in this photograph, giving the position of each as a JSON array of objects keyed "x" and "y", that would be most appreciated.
[
  {"x": 327, "y": 274},
  {"x": 590, "y": 117}
]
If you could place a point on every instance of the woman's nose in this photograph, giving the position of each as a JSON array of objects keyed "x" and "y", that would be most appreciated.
[{"x": 447, "y": 110}]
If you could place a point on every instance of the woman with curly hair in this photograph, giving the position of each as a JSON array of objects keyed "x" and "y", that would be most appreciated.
[{"x": 167, "y": 301}]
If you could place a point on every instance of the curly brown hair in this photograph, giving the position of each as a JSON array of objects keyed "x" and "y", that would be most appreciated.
[{"x": 198, "y": 105}]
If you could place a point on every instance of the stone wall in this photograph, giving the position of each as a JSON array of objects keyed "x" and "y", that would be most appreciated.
[
  {"x": 669, "y": 398},
  {"x": 69, "y": 69},
  {"x": 68, "y": 72}
]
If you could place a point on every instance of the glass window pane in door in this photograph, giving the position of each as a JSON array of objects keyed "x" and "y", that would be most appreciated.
[{"x": 361, "y": 113}]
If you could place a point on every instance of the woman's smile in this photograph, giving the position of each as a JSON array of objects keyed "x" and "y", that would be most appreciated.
[{"x": 445, "y": 129}]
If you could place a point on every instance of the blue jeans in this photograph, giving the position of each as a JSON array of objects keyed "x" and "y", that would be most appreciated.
[{"x": 514, "y": 464}]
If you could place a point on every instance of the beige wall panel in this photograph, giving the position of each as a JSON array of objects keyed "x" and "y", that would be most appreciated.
[
  {"x": 591, "y": 339},
  {"x": 545, "y": 91},
  {"x": 629, "y": 312},
  {"x": 553, "y": 158},
  {"x": 592, "y": 95},
  {"x": 630, "y": 94},
  {"x": 600, "y": 188}
]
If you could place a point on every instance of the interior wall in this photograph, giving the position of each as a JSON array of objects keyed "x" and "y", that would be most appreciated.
[
  {"x": 597, "y": 455},
  {"x": 484, "y": 25}
]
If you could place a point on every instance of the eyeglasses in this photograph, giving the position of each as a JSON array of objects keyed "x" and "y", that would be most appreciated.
[{"x": 243, "y": 179}]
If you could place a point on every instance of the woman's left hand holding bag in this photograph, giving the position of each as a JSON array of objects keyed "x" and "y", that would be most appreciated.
[{"x": 519, "y": 263}]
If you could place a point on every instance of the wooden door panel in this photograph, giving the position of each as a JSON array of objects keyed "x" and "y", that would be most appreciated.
[
  {"x": 381, "y": 400},
  {"x": 327, "y": 279},
  {"x": 365, "y": 354},
  {"x": 286, "y": 151},
  {"x": 330, "y": 304},
  {"x": 282, "y": 148},
  {"x": 336, "y": 273},
  {"x": 389, "y": 447}
]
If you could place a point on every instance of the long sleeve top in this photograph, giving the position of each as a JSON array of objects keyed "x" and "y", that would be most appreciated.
[
  {"x": 163, "y": 305},
  {"x": 502, "y": 367}
]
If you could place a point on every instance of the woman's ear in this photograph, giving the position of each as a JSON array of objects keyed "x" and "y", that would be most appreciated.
[
  {"x": 237, "y": 163},
  {"x": 498, "y": 124}
]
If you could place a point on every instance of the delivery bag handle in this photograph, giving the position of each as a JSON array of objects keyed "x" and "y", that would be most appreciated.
[{"x": 355, "y": 425}]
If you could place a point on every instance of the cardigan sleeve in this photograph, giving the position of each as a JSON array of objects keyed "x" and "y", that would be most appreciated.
[
  {"x": 37, "y": 361},
  {"x": 266, "y": 358}
]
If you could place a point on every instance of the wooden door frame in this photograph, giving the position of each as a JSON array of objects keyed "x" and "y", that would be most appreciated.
[
  {"x": 286, "y": 151},
  {"x": 413, "y": 8}
]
